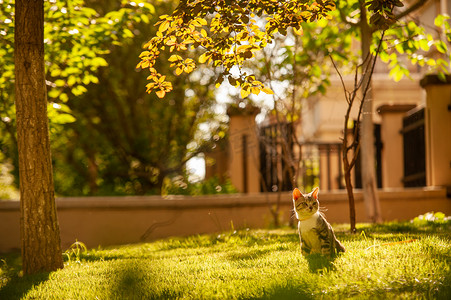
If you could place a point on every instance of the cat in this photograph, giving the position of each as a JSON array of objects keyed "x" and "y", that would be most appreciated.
[{"x": 315, "y": 233}]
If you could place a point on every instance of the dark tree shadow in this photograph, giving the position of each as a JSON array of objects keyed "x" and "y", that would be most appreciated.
[
  {"x": 317, "y": 263},
  {"x": 291, "y": 290},
  {"x": 128, "y": 280},
  {"x": 17, "y": 287}
]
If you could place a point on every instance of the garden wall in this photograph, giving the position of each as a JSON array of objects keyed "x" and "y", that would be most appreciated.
[{"x": 122, "y": 220}]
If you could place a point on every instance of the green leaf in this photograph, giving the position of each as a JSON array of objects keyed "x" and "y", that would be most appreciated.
[
  {"x": 78, "y": 90},
  {"x": 424, "y": 45},
  {"x": 63, "y": 119},
  {"x": 396, "y": 73},
  {"x": 55, "y": 72},
  {"x": 60, "y": 83},
  {"x": 99, "y": 62},
  {"x": 441, "y": 47},
  {"x": 63, "y": 97},
  {"x": 145, "y": 19},
  {"x": 53, "y": 93},
  {"x": 439, "y": 216},
  {"x": 441, "y": 76},
  {"x": 71, "y": 80},
  {"x": 431, "y": 62},
  {"x": 439, "y": 21},
  {"x": 399, "y": 48}
]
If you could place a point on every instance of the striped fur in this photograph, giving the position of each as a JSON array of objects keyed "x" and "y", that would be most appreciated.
[{"x": 315, "y": 233}]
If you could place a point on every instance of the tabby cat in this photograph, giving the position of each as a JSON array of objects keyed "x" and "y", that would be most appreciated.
[{"x": 316, "y": 234}]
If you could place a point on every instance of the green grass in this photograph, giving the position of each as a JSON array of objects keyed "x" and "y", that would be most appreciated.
[{"x": 251, "y": 264}]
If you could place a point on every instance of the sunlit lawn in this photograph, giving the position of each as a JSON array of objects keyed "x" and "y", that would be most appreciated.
[{"x": 251, "y": 264}]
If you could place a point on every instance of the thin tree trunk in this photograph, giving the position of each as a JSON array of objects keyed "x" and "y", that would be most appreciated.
[
  {"x": 40, "y": 237},
  {"x": 350, "y": 192},
  {"x": 369, "y": 184}
]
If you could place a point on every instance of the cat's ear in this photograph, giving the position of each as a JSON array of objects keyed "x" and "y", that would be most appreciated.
[
  {"x": 315, "y": 193},
  {"x": 296, "y": 194}
]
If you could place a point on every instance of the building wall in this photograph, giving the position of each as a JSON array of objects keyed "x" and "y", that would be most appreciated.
[
  {"x": 438, "y": 131},
  {"x": 244, "y": 153},
  {"x": 105, "y": 221},
  {"x": 393, "y": 144},
  {"x": 323, "y": 116}
]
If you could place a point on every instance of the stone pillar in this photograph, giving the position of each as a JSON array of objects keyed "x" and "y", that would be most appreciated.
[
  {"x": 244, "y": 151},
  {"x": 216, "y": 161},
  {"x": 438, "y": 130},
  {"x": 392, "y": 139}
]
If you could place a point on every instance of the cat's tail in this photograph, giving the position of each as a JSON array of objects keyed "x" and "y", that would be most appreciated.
[{"x": 339, "y": 246}]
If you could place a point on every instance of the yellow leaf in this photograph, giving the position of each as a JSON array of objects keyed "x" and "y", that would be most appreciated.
[
  {"x": 160, "y": 93},
  {"x": 202, "y": 21},
  {"x": 144, "y": 53},
  {"x": 168, "y": 86},
  {"x": 144, "y": 64},
  {"x": 298, "y": 31},
  {"x": 267, "y": 91},
  {"x": 178, "y": 71},
  {"x": 255, "y": 90},
  {"x": 164, "y": 26},
  {"x": 174, "y": 57},
  {"x": 203, "y": 58},
  {"x": 244, "y": 93}
]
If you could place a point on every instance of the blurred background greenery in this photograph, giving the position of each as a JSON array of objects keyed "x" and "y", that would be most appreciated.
[{"x": 108, "y": 136}]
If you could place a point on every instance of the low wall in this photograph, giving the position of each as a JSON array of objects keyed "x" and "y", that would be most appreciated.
[{"x": 122, "y": 220}]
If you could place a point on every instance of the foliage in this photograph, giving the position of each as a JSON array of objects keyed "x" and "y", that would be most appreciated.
[
  {"x": 76, "y": 40},
  {"x": 229, "y": 32},
  {"x": 410, "y": 39},
  {"x": 431, "y": 217},
  {"x": 299, "y": 66},
  {"x": 179, "y": 185},
  {"x": 7, "y": 189},
  {"x": 108, "y": 136},
  {"x": 125, "y": 141},
  {"x": 75, "y": 252},
  {"x": 257, "y": 264}
]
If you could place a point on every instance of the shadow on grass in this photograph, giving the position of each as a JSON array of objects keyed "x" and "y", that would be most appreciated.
[
  {"x": 249, "y": 255},
  {"x": 318, "y": 263},
  {"x": 290, "y": 291},
  {"x": 17, "y": 287},
  {"x": 128, "y": 282},
  {"x": 132, "y": 280}
]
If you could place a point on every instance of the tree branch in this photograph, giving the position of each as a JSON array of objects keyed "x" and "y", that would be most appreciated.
[{"x": 412, "y": 8}]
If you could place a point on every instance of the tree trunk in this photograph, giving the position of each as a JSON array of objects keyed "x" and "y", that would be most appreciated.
[
  {"x": 369, "y": 185},
  {"x": 351, "y": 200},
  {"x": 40, "y": 237}
]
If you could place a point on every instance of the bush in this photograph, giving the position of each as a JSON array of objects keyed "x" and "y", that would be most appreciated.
[{"x": 181, "y": 186}]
